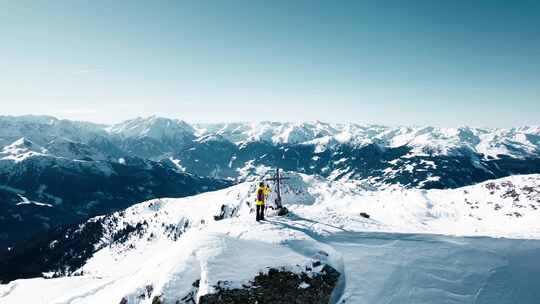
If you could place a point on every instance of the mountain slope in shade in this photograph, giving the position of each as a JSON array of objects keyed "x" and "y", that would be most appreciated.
[
  {"x": 75, "y": 189},
  {"x": 160, "y": 248},
  {"x": 378, "y": 166}
]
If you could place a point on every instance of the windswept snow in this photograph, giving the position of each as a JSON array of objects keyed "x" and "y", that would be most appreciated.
[{"x": 386, "y": 268}]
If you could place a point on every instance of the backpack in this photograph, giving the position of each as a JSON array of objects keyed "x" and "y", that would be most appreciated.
[{"x": 260, "y": 195}]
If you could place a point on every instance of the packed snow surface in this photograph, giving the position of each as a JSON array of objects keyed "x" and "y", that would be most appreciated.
[{"x": 436, "y": 246}]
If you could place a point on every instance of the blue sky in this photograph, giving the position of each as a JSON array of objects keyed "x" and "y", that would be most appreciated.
[{"x": 443, "y": 63}]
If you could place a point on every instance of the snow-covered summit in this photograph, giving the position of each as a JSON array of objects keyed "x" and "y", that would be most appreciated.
[
  {"x": 179, "y": 250},
  {"x": 153, "y": 127},
  {"x": 21, "y": 149}
]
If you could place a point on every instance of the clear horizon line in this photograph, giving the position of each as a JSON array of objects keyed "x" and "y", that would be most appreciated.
[{"x": 190, "y": 122}]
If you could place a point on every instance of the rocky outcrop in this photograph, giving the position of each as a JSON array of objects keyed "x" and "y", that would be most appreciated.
[{"x": 279, "y": 286}]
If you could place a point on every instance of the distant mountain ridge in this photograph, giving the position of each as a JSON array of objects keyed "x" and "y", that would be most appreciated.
[
  {"x": 411, "y": 156},
  {"x": 517, "y": 142}
]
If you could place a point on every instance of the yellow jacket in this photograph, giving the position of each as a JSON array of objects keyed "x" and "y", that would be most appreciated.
[{"x": 265, "y": 191}]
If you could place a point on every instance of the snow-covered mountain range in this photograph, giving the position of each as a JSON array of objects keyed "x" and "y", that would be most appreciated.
[
  {"x": 338, "y": 244},
  {"x": 83, "y": 169},
  {"x": 515, "y": 142},
  {"x": 237, "y": 150},
  {"x": 71, "y": 171},
  {"x": 519, "y": 142}
]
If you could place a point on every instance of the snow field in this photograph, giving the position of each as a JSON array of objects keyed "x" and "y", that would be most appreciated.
[{"x": 382, "y": 259}]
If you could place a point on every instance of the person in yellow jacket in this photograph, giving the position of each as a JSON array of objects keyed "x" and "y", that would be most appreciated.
[{"x": 262, "y": 194}]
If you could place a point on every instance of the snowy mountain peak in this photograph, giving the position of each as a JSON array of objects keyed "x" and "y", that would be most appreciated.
[
  {"x": 20, "y": 143},
  {"x": 21, "y": 149},
  {"x": 153, "y": 127}
]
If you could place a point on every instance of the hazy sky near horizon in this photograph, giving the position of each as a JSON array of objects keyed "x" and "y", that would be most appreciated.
[{"x": 443, "y": 63}]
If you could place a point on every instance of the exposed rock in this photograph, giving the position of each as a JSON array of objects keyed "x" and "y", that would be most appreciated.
[{"x": 279, "y": 287}]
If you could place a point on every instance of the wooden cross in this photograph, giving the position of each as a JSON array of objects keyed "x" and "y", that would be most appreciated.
[{"x": 278, "y": 180}]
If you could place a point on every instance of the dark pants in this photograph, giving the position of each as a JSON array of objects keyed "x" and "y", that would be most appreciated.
[{"x": 260, "y": 212}]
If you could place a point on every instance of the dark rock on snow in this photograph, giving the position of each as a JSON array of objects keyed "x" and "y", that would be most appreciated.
[{"x": 280, "y": 287}]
